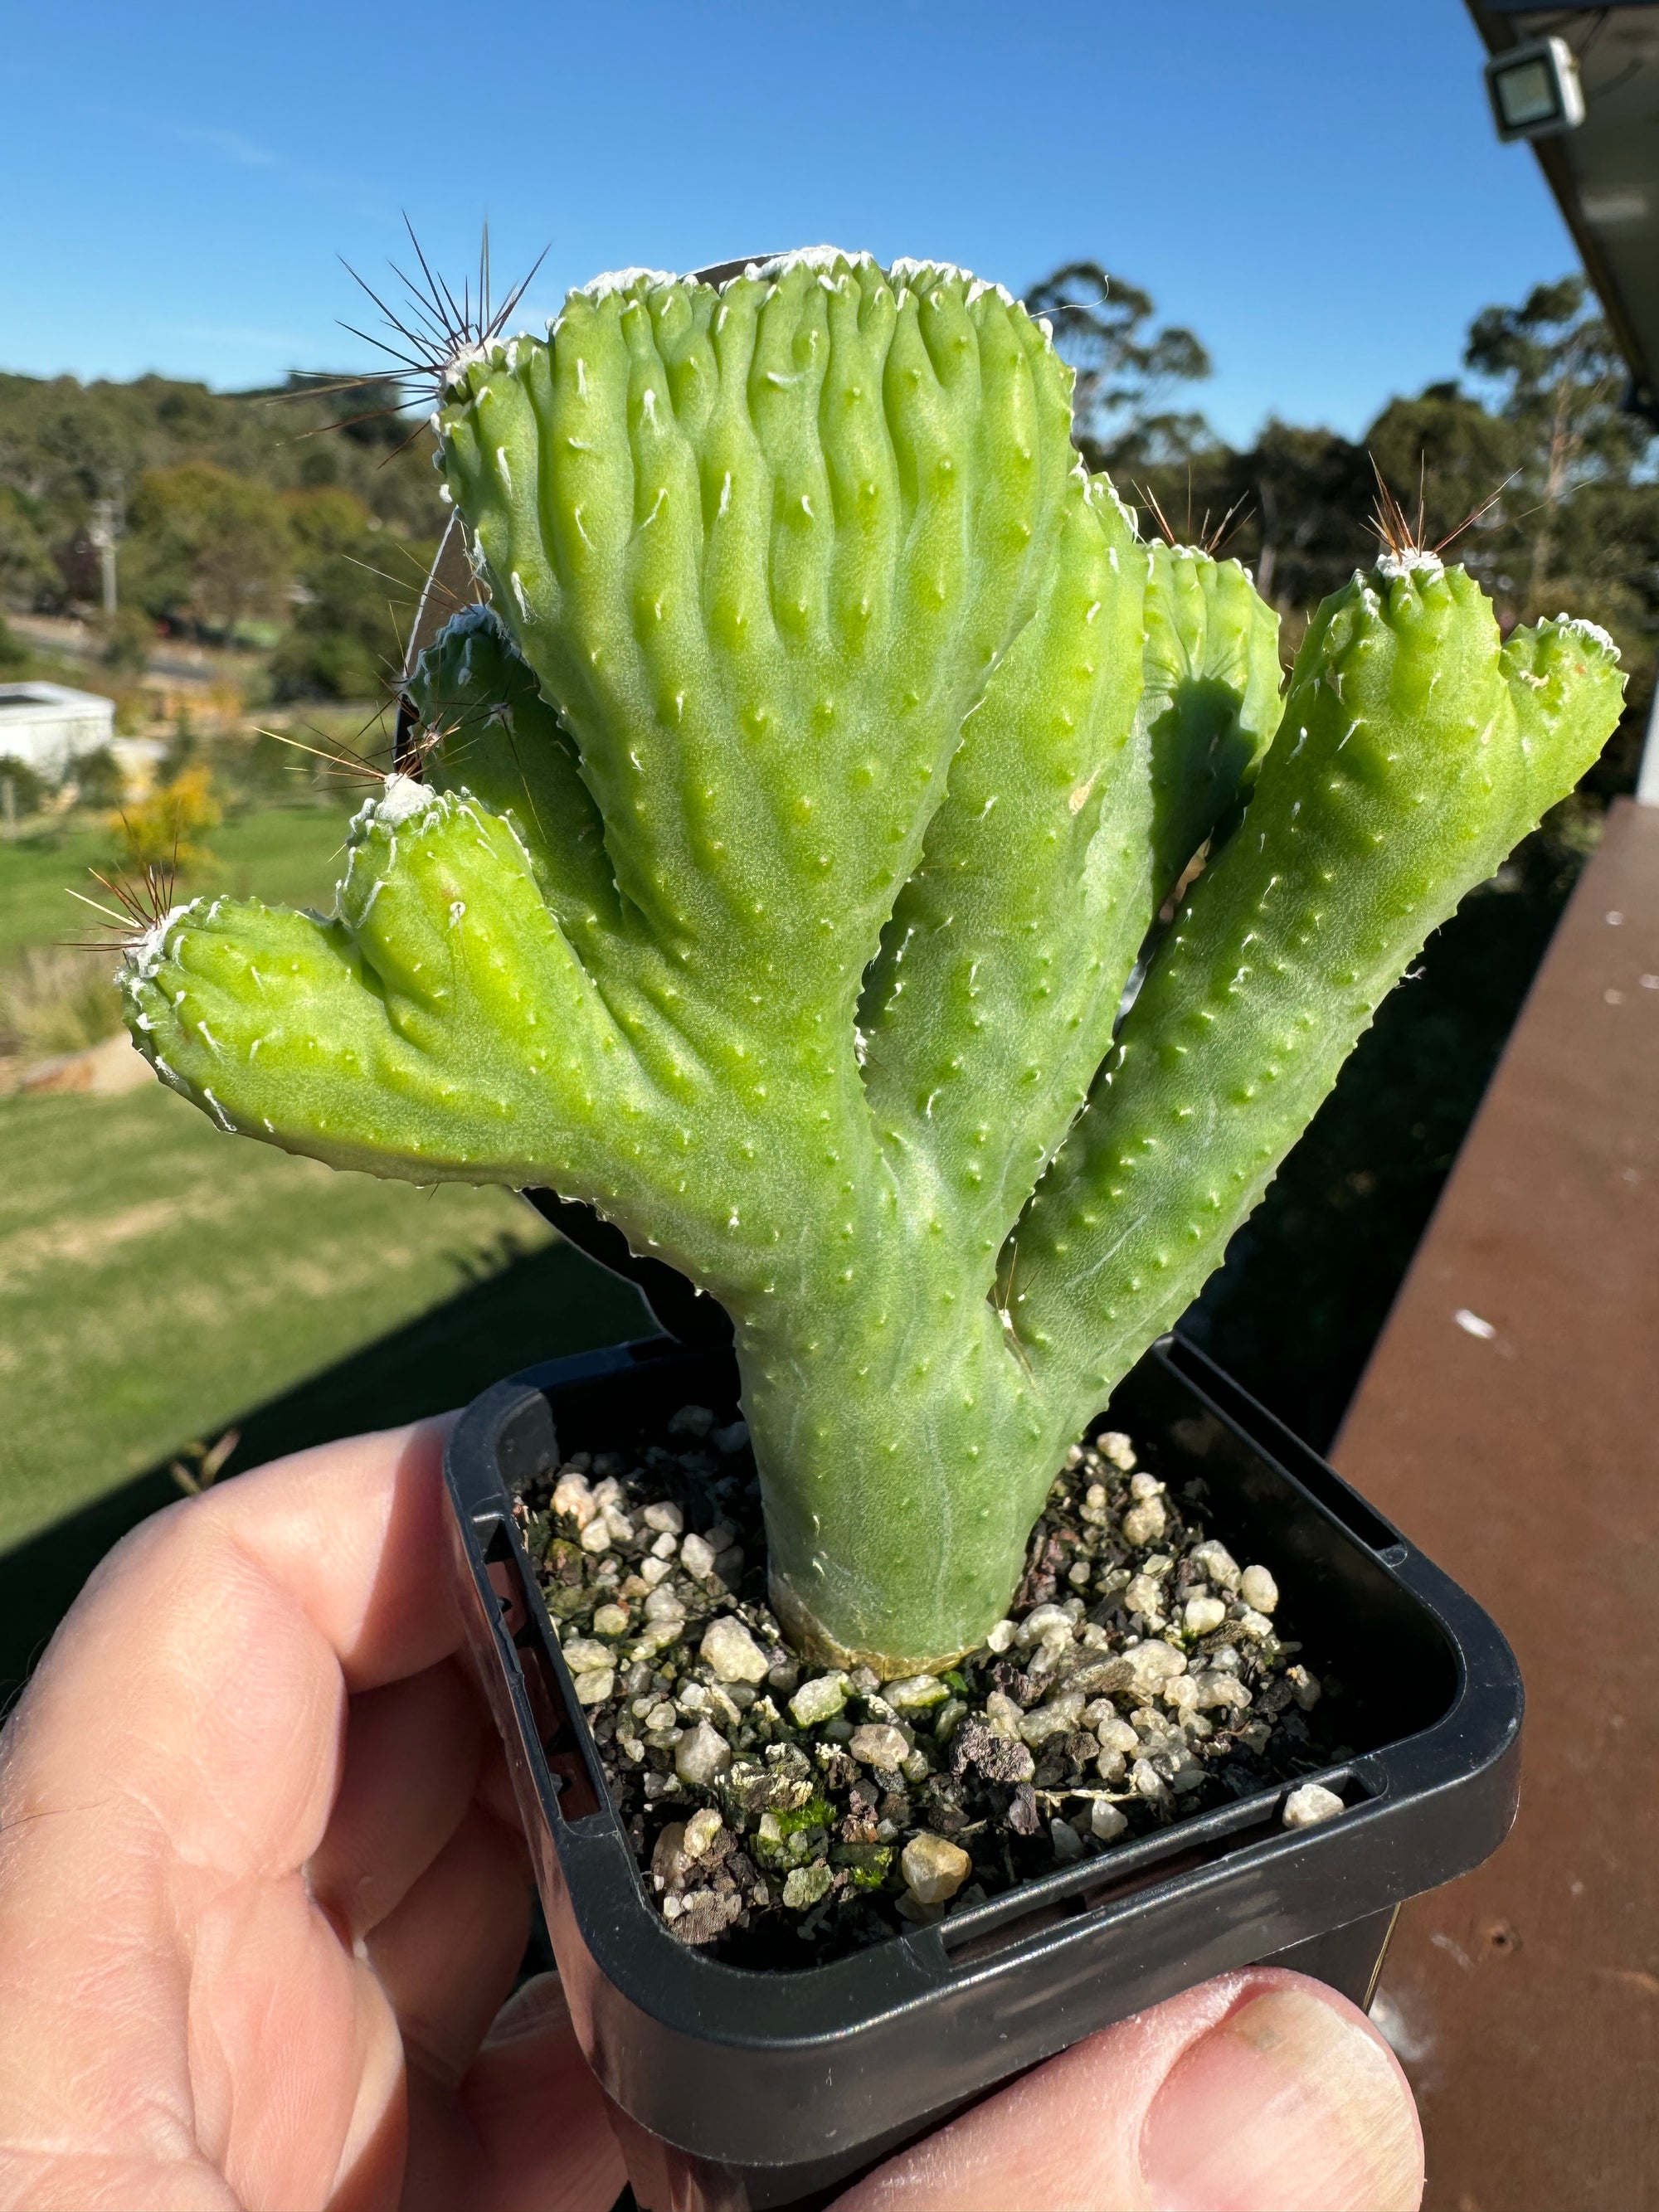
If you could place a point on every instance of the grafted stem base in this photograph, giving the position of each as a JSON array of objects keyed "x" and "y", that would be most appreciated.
[{"x": 811, "y": 1641}]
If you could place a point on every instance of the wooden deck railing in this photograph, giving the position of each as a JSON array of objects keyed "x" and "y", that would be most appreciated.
[{"x": 1509, "y": 1419}]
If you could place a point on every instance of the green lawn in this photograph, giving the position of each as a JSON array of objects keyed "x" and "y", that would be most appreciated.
[
  {"x": 157, "y": 1279},
  {"x": 289, "y": 855},
  {"x": 160, "y": 1283}
]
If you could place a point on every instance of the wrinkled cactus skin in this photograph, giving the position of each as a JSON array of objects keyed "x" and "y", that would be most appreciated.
[{"x": 792, "y": 823}]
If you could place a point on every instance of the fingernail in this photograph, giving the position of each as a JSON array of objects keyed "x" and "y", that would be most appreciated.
[{"x": 1287, "y": 2105}]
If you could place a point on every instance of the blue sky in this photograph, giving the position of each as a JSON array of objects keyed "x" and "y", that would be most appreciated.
[{"x": 1313, "y": 185}]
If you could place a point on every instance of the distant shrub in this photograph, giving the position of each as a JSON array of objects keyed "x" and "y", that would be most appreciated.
[
  {"x": 56, "y": 999},
  {"x": 28, "y": 788},
  {"x": 98, "y": 778},
  {"x": 127, "y": 642},
  {"x": 160, "y": 831}
]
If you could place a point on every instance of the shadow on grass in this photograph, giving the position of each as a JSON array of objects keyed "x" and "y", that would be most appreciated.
[{"x": 551, "y": 1303}]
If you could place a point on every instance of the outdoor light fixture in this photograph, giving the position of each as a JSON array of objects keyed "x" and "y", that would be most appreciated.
[{"x": 1535, "y": 88}]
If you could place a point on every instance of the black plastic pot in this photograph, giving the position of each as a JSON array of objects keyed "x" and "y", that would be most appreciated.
[{"x": 779, "y": 2087}]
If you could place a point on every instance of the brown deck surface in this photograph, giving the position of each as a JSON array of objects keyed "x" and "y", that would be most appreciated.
[{"x": 1509, "y": 1422}]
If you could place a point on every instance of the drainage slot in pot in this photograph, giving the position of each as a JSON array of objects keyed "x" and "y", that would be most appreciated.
[
  {"x": 558, "y": 1739},
  {"x": 1181, "y": 1850}
]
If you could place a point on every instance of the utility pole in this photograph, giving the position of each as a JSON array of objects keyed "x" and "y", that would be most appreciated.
[{"x": 108, "y": 521}]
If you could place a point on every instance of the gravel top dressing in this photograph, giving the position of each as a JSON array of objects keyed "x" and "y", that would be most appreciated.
[{"x": 784, "y": 1816}]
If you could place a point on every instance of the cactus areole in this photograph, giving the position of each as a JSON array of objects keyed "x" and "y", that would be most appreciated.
[{"x": 789, "y": 829}]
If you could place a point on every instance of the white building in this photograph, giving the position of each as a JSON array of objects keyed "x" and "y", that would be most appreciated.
[{"x": 49, "y": 727}]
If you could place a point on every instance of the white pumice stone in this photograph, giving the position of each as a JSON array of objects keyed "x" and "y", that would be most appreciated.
[
  {"x": 582, "y": 1652},
  {"x": 1252, "y": 1623},
  {"x": 879, "y": 1745},
  {"x": 1217, "y": 1564},
  {"x": 596, "y": 1537},
  {"x": 1306, "y": 1807},
  {"x": 1038, "y": 1622},
  {"x": 1143, "y": 1488},
  {"x": 697, "y": 1556},
  {"x": 933, "y": 1868},
  {"x": 665, "y": 1854},
  {"x": 731, "y": 1651},
  {"x": 1068, "y": 1844},
  {"x": 1146, "y": 1779},
  {"x": 1146, "y": 1523},
  {"x": 621, "y": 1527},
  {"x": 1182, "y": 1692},
  {"x": 664, "y": 1604},
  {"x": 916, "y": 1693},
  {"x": 1004, "y": 1715},
  {"x": 610, "y": 1620},
  {"x": 1154, "y": 1662},
  {"x": 1202, "y": 1615},
  {"x": 1305, "y": 1686},
  {"x": 999, "y": 1639},
  {"x": 652, "y": 1571},
  {"x": 666, "y": 1517},
  {"x": 701, "y": 1755},
  {"x": 820, "y": 1699},
  {"x": 656, "y": 1637},
  {"x": 573, "y": 1497},
  {"x": 1059, "y": 1718},
  {"x": 1219, "y": 1691},
  {"x": 666, "y": 1546},
  {"x": 1144, "y": 1595},
  {"x": 1258, "y": 1590},
  {"x": 700, "y": 1831},
  {"x": 595, "y": 1686},
  {"x": 1116, "y": 1447},
  {"x": 1107, "y": 1822}
]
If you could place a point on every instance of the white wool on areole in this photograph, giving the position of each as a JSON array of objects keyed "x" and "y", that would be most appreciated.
[
  {"x": 1585, "y": 628},
  {"x": 1409, "y": 561},
  {"x": 403, "y": 797},
  {"x": 625, "y": 279},
  {"x": 145, "y": 957}
]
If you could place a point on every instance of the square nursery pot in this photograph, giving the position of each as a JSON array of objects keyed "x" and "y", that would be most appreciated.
[{"x": 780, "y": 2088}]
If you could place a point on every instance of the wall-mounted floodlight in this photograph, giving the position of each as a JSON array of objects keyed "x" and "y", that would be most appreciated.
[{"x": 1535, "y": 88}]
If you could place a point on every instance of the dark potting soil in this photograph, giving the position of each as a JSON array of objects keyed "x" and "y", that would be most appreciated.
[{"x": 785, "y": 1815}]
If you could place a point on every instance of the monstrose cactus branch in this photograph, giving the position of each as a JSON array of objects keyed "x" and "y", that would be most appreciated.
[{"x": 789, "y": 835}]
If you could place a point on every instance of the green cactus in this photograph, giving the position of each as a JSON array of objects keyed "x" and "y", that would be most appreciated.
[{"x": 791, "y": 824}]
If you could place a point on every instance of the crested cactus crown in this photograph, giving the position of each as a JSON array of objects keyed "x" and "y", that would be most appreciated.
[{"x": 790, "y": 836}]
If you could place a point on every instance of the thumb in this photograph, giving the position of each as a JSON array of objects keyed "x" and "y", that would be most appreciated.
[{"x": 1260, "y": 2092}]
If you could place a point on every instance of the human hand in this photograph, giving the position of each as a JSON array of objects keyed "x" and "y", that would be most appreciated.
[{"x": 262, "y": 1892}]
